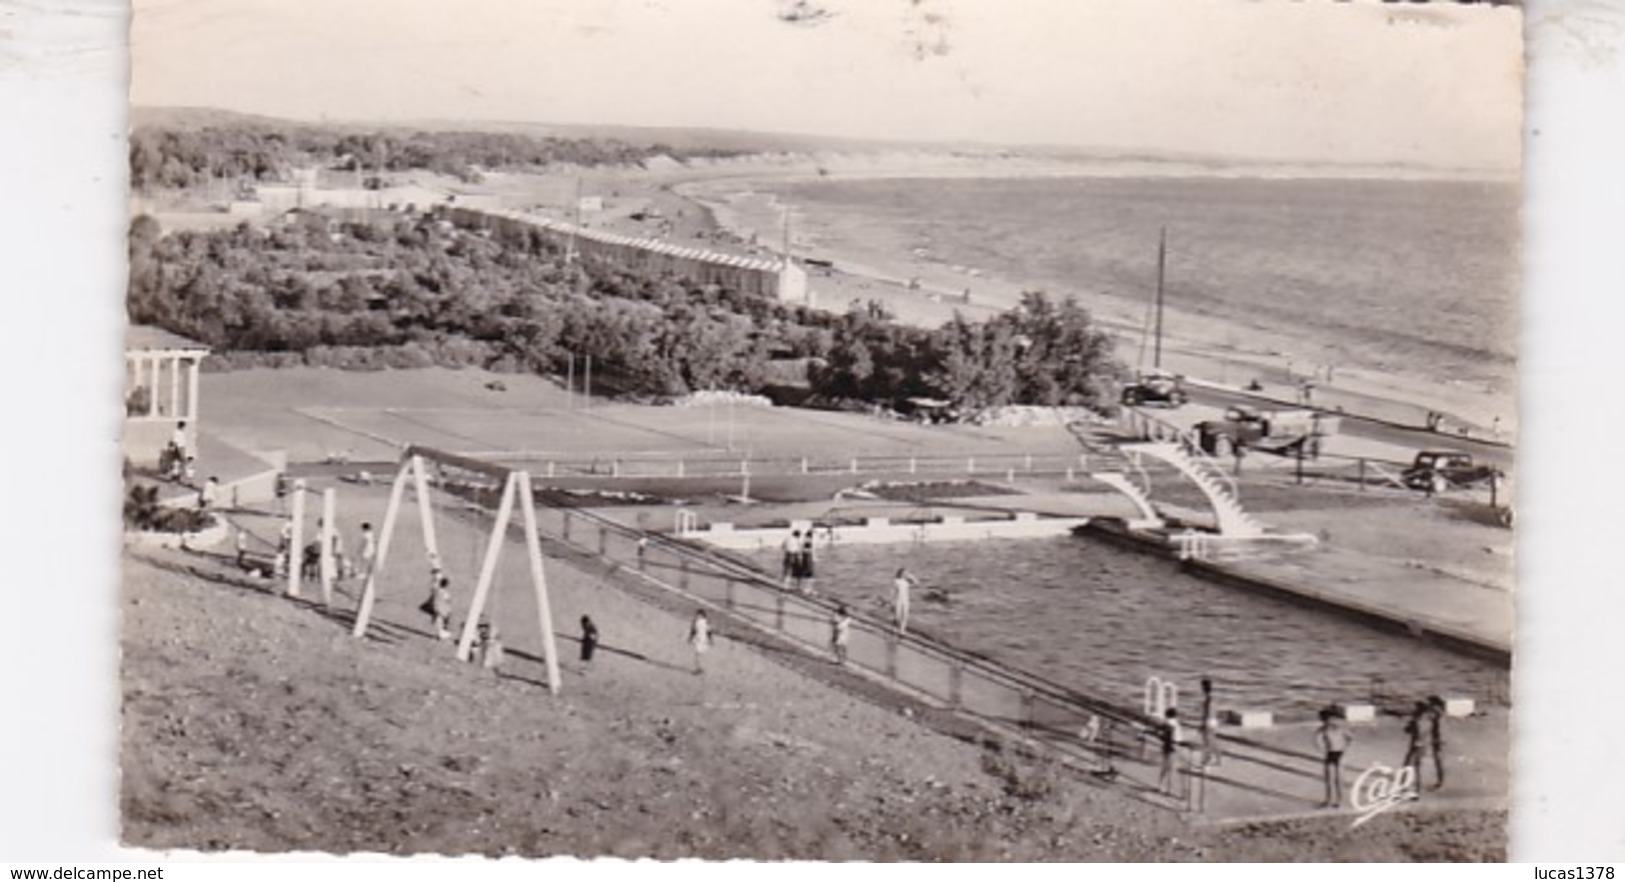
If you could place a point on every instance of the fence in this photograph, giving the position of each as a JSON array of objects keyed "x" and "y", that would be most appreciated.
[
  {"x": 995, "y": 466},
  {"x": 1304, "y": 466},
  {"x": 1082, "y": 727}
]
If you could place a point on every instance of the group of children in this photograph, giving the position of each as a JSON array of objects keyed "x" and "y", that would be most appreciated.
[
  {"x": 1171, "y": 739},
  {"x": 489, "y": 651},
  {"x": 310, "y": 561},
  {"x": 1332, "y": 737},
  {"x": 798, "y": 561},
  {"x": 176, "y": 462},
  {"x": 1424, "y": 737}
]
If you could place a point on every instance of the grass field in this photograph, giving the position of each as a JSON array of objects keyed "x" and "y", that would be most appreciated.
[{"x": 315, "y": 412}]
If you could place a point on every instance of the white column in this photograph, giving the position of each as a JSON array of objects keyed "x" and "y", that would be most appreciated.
[
  {"x": 191, "y": 390},
  {"x": 329, "y": 509},
  {"x": 152, "y": 386},
  {"x": 538, "y": 578},
  {"x": 363, "y": 612},
  {"x": 174, "y": 386},
  {"x": 132, "y": 375},
  {"x": 296, "y": 544}
]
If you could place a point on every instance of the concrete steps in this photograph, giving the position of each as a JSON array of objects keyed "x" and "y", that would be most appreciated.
[
  {"x": 1220, "y": 490},
  {"x": 1149, "y": 519}
]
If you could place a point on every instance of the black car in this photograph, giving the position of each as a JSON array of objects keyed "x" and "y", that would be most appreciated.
[
  {"x": 1437, "y": 470},
  {"x": 1155, "y": 388}
]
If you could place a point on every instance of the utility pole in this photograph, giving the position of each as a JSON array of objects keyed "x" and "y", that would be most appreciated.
[{"x": 1162, "y": 262}]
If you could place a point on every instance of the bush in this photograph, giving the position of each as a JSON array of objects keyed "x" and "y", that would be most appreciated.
[
  {"x": 1023, "y": 774},
  {"x": 139, "y": 401},
  {"x": 142, "y": 512}
]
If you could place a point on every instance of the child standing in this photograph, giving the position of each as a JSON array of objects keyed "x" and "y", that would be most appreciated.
[
  {"x": 840, "y": 627},
  {"x": 792, "y": 556},
  {"x": 901, "y": 586},
  {"x": 804, "y": 575},
  {"x": 369, "y": 549},
  {"x": 490, "y": 648},
  {"x": 341, "y": 563},
  {"x": 441, "y": 609},
  {"x": 1435, "y": 740},
  {"x": 1333, "y": 738},
  {"x": 209, "y": 496},
  {"x": 1173, "y": 735},
  {"x": 1210, "y": 724},
  {"x": 284, "y": 547},
  {"x": 589, "y": 642},
  {"x": 699, "y": 639},
  {"x": 1417, "y": 744}
]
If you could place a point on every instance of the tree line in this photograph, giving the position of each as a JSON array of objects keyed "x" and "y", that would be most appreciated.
[
  {"x": 390, "y": 290},
  {"x": 180, "y": 158}
]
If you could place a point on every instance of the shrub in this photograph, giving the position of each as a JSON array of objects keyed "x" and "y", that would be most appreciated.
[
  {"x": 1023, "y": 774},
  {"x": 142, "y": 512},
  {"x": 139, "y": 401}
]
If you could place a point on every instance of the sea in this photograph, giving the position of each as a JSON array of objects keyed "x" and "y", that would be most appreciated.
[{"x": 1417, "y": 277}]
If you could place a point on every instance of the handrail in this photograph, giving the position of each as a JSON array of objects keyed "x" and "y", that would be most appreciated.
[{"x": 993, "y": 670}]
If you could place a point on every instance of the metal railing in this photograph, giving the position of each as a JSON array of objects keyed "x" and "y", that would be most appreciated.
[
  {"x": 1038, "y": 708},
  {"x": 743, "y": 465}
]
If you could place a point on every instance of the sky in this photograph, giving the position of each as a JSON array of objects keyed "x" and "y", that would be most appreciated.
[{"x": 1318, "y": 81}]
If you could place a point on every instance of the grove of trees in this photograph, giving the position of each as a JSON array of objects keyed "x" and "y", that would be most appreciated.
[
  {"x": 179, "y": 158},
  {"x": 405, "y": 291}
]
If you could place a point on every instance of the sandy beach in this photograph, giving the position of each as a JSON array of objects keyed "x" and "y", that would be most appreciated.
[
  {"x": 871, "y": 261},
  {"x": 879, "y": 263}
]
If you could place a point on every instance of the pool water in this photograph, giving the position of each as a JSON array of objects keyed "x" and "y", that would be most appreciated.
[{"x": 1101, "y": 619}]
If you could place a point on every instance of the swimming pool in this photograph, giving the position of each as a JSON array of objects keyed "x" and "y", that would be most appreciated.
[{"x": 1102, "y": 619}]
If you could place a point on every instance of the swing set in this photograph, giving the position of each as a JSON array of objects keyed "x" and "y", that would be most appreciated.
[{"x": 516, "y": 491}]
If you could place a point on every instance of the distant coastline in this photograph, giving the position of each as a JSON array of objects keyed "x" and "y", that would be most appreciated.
[{"x": 748, "y": 206}]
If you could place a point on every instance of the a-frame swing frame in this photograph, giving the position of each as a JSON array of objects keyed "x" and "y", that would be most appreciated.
[{"x": 516, "y": 489}]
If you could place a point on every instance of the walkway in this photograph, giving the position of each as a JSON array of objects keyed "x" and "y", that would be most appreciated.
[
  {"x": 1449, "y": 606},
  {"x": 216, "y": 458}
]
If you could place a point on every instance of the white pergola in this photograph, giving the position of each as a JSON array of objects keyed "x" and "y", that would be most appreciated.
[{"x": 166, "y": 365}]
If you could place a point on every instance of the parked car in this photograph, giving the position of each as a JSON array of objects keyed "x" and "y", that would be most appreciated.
[
  {"x": 1157, "y": 387},
  {"x": 1438, "y": 470}
]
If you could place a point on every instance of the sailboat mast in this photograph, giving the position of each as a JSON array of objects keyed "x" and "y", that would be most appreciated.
[{"x": 1162, "y": 263}]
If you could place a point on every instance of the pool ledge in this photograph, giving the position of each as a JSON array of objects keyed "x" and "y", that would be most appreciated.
[
  {"x": 877, "y": 531},
  {"x": 1388, "y": 616}
]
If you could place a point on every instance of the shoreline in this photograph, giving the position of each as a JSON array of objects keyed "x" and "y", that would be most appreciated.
[{"x": 1211, "y": 354}]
